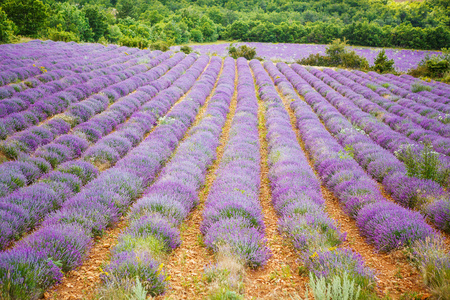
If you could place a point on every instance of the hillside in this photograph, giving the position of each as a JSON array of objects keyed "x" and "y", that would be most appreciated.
[
  {"x": 156, "y": 24},
  {"x": 132, "y": 173}
]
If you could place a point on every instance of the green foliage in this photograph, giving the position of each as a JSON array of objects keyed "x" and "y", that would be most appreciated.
[
  {"x": 6, "y": 28},
  {"x": 245, "y": 51},
  {"x": 336, "y": 56},
  {"x": 420, "y": 25},
  {"x": 58, "y": 34},
  {"x": 433, "y": 261},
  {"x": 29, "y": 16},
  {"x": 382, "y": 64},
  {"x": 196, "y": 35},
  {"x": 186, "y": 49},
  {"x": 424, "y": 163},
  {"x": 97, "y": 20},
  {"x": 418, "y": 87},
  {"x": 135, "y": 42},
  {"x": 160, "y": 45},
  {"x": 68, "y": 18},
  {"x": 435, "y": 66},
  {"x": 336, "y": 287}
]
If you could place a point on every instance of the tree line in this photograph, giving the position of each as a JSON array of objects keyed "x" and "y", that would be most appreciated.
[{"x": 143, "y": 23}]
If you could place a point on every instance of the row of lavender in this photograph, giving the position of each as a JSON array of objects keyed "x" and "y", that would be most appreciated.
[
  {"x": 66, "y": 235},
  {"x": 390, "y": 225},
  {"x": 232, "y": 217},
  {"x": 399, "y": 118},
  {"x": 439, "y": 89},
  {"x": 407, "y": 189},
  {"x": 165, "y": 205},
  {"x": 40, "y": 73},
  {"x": 38, "y": 107},
  {"x": 22, "y": 209},
  {"x": 68, "y": 146},
  {"x": 35, "y": 105},
  {"x": 385, "y": 224},
  {"x": 296, "y": 193},
  {"x": 16, "y": 60},
  {"x": 425, "y": 119}
]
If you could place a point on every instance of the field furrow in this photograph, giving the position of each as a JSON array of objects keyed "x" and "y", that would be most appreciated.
[{"x": 129, "y": 174}]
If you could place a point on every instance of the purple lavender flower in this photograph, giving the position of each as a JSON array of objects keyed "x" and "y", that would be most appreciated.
[{"x": 26, "y": 274}]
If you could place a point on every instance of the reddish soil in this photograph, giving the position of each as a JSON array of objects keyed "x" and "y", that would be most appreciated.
[
  {"x": 185, "y": 264},
  {"x": 83, "y": 282},
  {"x": 395, "y": 276},
  {"x": 279, "y": 277}
]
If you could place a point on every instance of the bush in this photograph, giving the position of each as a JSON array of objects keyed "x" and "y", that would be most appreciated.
[
  {"x": 435, "y": 66},
  {"x": 186, "y": 49},
  {"x": 57, "y": 34},
  {"x": 336, "y": 56},
  {"x": 245, "y": 51},
  {"x": 6, "y": 28},
  {"x": 160, "y": 45},
  {"x": 196, "y": 35},
  {"x": 136, "y": 42},
  {"x": 382, "y": 64}
]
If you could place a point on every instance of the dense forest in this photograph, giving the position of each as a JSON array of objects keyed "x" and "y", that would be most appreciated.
[{"x": 145, "y": 23}]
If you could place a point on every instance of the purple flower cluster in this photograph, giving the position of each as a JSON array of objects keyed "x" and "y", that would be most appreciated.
[
  {"x": 232, "y": 218},
  {"x": 37, "y": 104},
  {"x": 343, "y": 175},
  {"x": 397, "y": 117},
  {"x": 437, "y": 98},
  {"x": 438, "y": 88},
  {"x": 25, "y": 208},
  {"x": 64, "y": 149},
  {"x": 409, "y": 191},
  {"x": 167, "y": 202},
  {"x": 296, "y": 193},
  {"x": 69, "y": 146},
  {"x": 103, "y": 200}
]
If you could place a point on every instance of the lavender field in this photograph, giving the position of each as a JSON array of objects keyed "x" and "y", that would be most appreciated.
[
  {"x": 404, "y": 59},
  {"x": 217, "y": 177}
]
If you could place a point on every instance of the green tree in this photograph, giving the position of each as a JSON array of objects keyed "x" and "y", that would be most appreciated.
[
  {"x": 114, "y": 34},
  {"x": 6, "y": 28},
  {"x": 237, "y": 31},
  {"x": 126, "y": 8},
  {"x": 208, "y": 29},
  {"x": 382, "y": 64},
  {"x": 96, "y": 19},
  {"x": 151, "y": 17},
  {"x": 196, "y": 35},
  {"x": 29, "y": 16},
  {"x": 71, "y": 19}
]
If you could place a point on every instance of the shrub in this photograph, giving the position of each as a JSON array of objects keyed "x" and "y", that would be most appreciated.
[
  {"x": 186, "y": 49},
  {"x": 435, "y": 66},
  {"x": 434, "y": 262},
  {"x": 160, "y": 45},
  {"x": 382, "y": 64},
  {"x": 26, "y": 274},
  {"x": 137, "y": 42},
  {"x": 127, "y": 265},
  {"x": 57, "y": 34},
  {"x": 337, "y": 288},
  {"x": 418, "y": 87},
  {"x": 336, "y": 56},
  {"x": 196, "y": 35},
  {"x": 245, "y": 51},
  {"x": 6, "y": 28}
]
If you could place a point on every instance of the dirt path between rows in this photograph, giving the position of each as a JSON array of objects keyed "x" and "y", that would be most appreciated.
[
  {"x": 186, "y": 263},
  {"x": 83, "y": 282},
  {"x": 395, "y": 276},
  {"x": 279, "y": 278}
]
